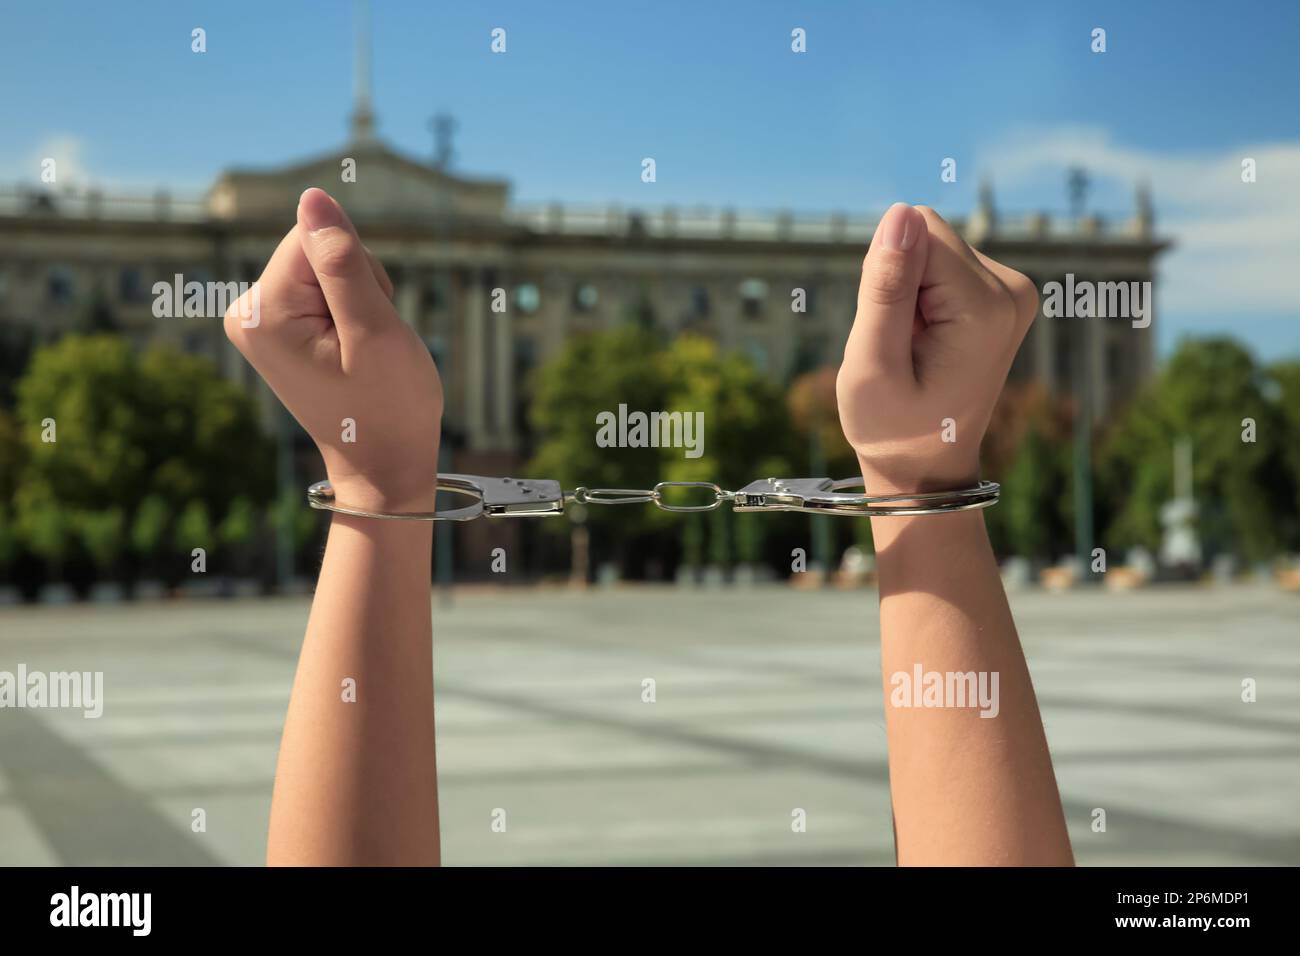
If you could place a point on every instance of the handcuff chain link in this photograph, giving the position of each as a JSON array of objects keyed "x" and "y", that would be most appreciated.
[
  {"x": 640, "y": 496},
  {"x": 540, "y": 497}
]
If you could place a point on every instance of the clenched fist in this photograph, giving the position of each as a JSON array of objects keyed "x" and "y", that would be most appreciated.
[
  {"x": 937, "y": 327},
  {"x": 333, "y": 349}
]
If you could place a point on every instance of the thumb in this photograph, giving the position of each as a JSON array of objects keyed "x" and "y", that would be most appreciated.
[
  {"x": 881, "y": 337},
  {"x": 341, "y": 264}
]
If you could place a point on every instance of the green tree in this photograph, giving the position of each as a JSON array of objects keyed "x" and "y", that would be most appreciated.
[
  {"x": 746, "y": 430},
  {"x": 205, "y": 435},
  {"x": 149, "y": 525},
  {"x": 289, "y": 514},
  {"x": 101, "y": 533},
  {"x": 747, "y": 434},
  {"x": 12, "y": 456},
  {"x": 592, "y": 374},
  {"x": 814, "y": 413},
  {"x": 16, "y": 345},
  {"x": 240, "y": 523},
  {"x": 1031, "y": 496},
  {"x": 136, "y": 437},
  {"x": 194, "y": 528},
  {"x": 91, "y": 390},
  {"x": 1284, "y": 389},
  {"x": 43, "y": 526},
  {"x": 1205, "y": 394},
  {"x": 8, "y": 535},
  {"x": 749, "y": 537}
]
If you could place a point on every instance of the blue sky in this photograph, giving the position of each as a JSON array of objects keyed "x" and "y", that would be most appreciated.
[{"x": 886, "y": 90}]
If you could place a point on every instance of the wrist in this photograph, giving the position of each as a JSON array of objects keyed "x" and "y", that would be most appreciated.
[
  {"x": 925, "y": 531},
  {"x": 919, "y": 533},
  {"x": 917, "y": 479},
  {"x": 414, "y": 494}
]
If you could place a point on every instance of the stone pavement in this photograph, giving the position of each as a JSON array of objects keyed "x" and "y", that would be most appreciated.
[{"x": 768, "y": 699}]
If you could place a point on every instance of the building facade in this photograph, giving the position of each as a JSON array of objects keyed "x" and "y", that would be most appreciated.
[{"x": 455, "y": 245}]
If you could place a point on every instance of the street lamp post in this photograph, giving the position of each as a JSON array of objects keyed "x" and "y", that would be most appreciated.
[{"x": 1077, "y": 184}]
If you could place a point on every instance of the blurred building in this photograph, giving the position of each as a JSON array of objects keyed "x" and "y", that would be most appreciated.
[{"x": 450, "y": 241}]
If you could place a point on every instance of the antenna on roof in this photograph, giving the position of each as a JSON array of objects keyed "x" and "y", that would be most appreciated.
[
  {"x": 363, "y": 115},
  {"x": 443, "y": 126}
]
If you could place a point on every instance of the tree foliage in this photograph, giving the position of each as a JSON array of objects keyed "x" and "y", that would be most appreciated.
[
  {"x": 1210, "y": 392},
  {"x": 746, "y": 428},
  {"x": 139, "y": 442}
]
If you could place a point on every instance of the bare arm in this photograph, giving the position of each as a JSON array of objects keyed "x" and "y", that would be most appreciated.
[
  {"x": 970, "y": 774},
  {"x": 356, "y": 782},
  {"x": 967, "y": 789}
]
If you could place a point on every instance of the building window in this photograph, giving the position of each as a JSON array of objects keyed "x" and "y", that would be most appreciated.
[
  {"x": 131, "y": 287},
  {"x": 61, "y": 285},
  {"x": 699, "y": 302},
  {"x": 753, "y": 298},
  {"x": 435, "y": 296},
  {"x": 527, "y": 298},
  {"x": 525, "y": 356},
  {"x": 585, "y": 297}
]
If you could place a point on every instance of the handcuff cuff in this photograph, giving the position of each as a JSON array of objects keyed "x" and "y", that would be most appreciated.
[{"x": 543, "y": 497}]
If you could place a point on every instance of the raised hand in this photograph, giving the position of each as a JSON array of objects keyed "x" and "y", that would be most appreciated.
[
  {"x": 332, "y": 347},
  {"x": 356, "y": 781},
  {"x": 937, "y": 327}
]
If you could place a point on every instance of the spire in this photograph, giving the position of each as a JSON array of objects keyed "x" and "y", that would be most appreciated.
[
  {"x": 984, "y": 221},
  {"x": 363, "y": 116},
  {"x": 1144, "y": 214}
]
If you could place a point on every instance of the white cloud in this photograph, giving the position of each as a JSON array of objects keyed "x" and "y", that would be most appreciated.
[
  {"x": 69, "y": 155},
  {"x": 77, "y": 168},
  {"x": 1237, "y": 245}
]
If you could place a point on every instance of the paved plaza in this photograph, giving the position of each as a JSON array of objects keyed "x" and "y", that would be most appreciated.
[{"x": 767, "y": 699}]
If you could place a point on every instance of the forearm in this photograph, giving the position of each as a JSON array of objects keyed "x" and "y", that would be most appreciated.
[
  {"x": 967, "y": 789},
  {"x": 356, "y": 781}
]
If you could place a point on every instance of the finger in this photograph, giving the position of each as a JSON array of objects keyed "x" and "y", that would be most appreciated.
[
  {"x": 381, "y": 274},
  {"x": 881, "y": 337},
  {"x": 356, "y": 301},
  {"x": 284, "y": 305},
  {"x": 955, "y": 284},
  {"x": 288, "y": 280},
  {"x": 1022, "y": 289}
]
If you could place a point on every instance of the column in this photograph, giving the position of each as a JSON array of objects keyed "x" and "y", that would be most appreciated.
[
  {"x": 475, "y": 359},
  {"x": 503, "y": 385}
]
